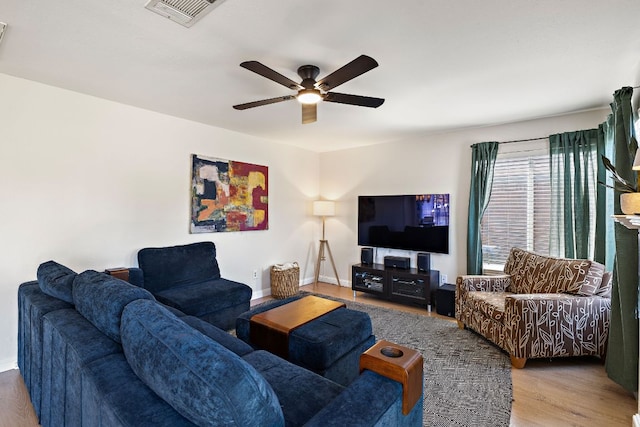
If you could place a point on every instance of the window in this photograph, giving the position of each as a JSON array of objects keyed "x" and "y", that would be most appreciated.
[{"x": 518, "y": 214}]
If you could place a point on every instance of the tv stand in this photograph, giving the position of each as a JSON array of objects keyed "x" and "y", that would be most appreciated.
[{"x": 407, "y": 286}]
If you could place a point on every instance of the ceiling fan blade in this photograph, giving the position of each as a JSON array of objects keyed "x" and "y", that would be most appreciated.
[
  {"x": 362, "y": 101},
  {"x": 267, "y": 72},
  {"x": 309, "y": 113},
  {"x": 353, "y": 69},
  {"x": 263, "y": 102}
]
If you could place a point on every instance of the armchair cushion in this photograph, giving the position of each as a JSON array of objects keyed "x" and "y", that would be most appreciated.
[
  {"x": 605, "y": 287},
  {"x": 209, "y": 296},
  {"x": 178, "y": 265},
  {"x": 593, "y": 280},
  {"x": 532, "y": 273},
  {"x": 491, "y": 304}
]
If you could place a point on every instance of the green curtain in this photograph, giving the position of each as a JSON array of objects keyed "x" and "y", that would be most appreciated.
[
  {"x": 605, "y": 235},
  {"x": 574, "y": 174},
  {"x": 483, "y": 160},
  {"x": 622, "y": 352}
]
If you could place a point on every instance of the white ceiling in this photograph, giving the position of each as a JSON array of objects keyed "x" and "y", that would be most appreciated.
[{"x": 444, "y": 64}]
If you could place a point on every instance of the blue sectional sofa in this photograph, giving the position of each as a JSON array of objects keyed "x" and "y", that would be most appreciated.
[
  {"x": 187, "y": 277},
  {"x": 97, "y": 351}
]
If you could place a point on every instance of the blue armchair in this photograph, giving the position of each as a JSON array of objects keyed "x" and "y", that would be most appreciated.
[{"x": 187, "y": 277}]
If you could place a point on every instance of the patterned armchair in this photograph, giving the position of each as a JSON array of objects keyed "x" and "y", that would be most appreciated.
[{"x": 541, "y": 307}]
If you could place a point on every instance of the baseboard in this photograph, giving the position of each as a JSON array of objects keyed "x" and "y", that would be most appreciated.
[
  {"x": 260, "y": 293},
  {"x": 308, "y": 281},
  {"x": 334, "y": 281},
  {"x": 8, "y": 364},
  {"x": 327, "y": 279}
]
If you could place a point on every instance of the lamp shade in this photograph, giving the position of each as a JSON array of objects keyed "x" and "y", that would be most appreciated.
[{"x": 324, "y": 208}]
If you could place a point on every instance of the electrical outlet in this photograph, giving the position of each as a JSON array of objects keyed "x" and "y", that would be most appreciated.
[
  {"x": 443, "y": 279},
  {"x": 255, "y": 274}
]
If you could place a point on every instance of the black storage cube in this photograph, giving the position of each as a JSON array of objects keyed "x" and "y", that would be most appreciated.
[{"x": 445, "y": 300}]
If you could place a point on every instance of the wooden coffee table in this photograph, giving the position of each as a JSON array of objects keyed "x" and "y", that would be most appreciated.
[{"x": 270, "y": 329}]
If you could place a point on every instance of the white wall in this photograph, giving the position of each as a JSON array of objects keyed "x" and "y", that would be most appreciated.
[
  {"x": 420, "y": 165},
  {"x": 87, "y": 182}
]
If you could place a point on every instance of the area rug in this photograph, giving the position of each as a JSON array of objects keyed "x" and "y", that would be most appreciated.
[{"x": 467, "y": 380}]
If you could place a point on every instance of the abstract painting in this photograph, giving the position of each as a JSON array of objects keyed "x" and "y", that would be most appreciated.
[{"x": 227, "y": 195}]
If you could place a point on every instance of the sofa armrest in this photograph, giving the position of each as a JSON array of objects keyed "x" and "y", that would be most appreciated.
[
  {"x": 557, "y": 324},
  {"x": 371, "y": 400},
  {"x": 470, "y": 283}
]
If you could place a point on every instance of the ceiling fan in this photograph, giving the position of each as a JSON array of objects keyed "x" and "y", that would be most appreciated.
[{"x": 310, "y": 91}]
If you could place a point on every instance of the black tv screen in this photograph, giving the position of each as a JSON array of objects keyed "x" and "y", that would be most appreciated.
[{"x": 418, "y": 222}]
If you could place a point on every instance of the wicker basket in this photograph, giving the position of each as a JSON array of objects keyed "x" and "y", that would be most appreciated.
[{"x": 284, "y": 283}]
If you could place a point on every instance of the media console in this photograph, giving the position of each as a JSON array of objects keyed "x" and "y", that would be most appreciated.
[{"x": 408, "y": 286}]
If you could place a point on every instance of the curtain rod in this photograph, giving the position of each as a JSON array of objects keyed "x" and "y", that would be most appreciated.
[
  {"x": 524, "y": 140},
  {"x": 537, "y": 139},
  {"x": 521, "y": 140}
]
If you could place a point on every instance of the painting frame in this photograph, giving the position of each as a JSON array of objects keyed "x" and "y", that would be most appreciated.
[{"x": 228, "y": 195}]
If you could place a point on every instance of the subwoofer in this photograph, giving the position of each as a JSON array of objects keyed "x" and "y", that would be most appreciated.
[
  {"x": 446, "y": 300},
  {"x": 366, "y": 256},
  {"x": 424, "y": 261}
]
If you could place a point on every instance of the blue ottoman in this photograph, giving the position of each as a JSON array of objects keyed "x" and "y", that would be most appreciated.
[{"x": 330, "y": 345}]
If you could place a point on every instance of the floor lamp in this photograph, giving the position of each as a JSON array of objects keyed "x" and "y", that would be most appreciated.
[{"x": 324, "y": 208}]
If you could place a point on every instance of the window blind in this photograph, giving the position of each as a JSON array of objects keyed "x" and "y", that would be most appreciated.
[{"x": 518, "y": 214}]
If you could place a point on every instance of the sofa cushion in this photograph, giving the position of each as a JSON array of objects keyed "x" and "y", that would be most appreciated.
[
  {"x": 532, "y": 273},
  {"x": 224, "y": 338},
  {"x": 100, "y": 298},
  {"x": 195, "y": 375},
  {"x": 56, "y": 280},
  {"x": 301, "y": 393},
  {"x": 178, "y": 265}
]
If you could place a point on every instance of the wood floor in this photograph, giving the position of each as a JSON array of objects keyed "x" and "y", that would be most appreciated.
[{"x": 549, "y": 393}]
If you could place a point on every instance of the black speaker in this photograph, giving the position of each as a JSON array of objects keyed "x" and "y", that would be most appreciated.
[
  {"x": 397, "y": 262},
  {"x": 366, "y": 256},
  {"x": 424, "y": 261},
  {"x": 446, "y": 300}
]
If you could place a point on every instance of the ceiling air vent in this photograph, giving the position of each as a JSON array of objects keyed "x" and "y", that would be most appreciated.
[{"x": 184, "y": 12}]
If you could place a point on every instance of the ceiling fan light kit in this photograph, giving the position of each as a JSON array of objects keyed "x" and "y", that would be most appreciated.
[
  {"x": 310, "y": 91},
  {"x": 309, "y": 96}
]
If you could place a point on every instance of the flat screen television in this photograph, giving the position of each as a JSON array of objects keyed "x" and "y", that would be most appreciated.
[{"x": 417, "y": 222}]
